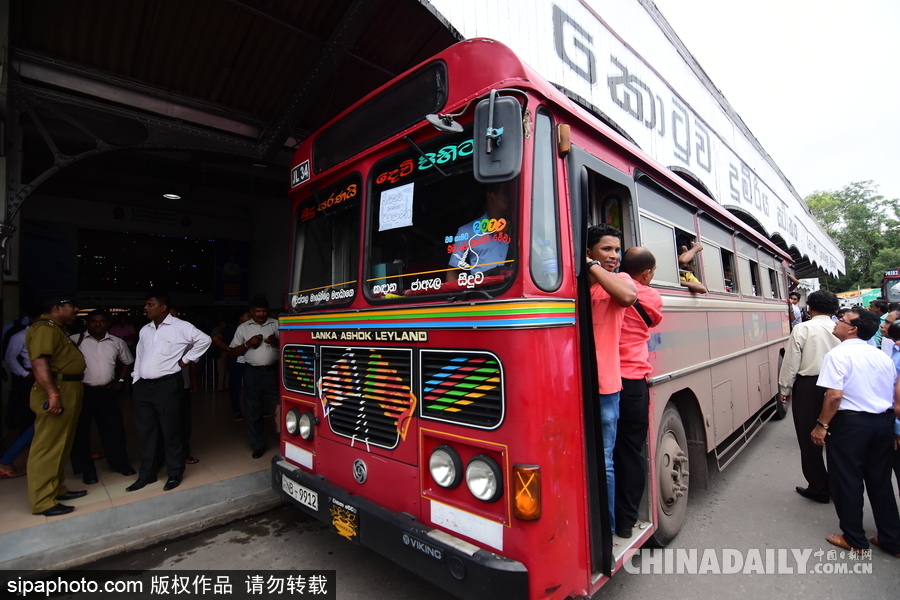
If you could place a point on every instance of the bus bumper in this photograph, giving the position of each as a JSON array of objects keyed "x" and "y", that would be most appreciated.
[{"x": 450, "y": 563}]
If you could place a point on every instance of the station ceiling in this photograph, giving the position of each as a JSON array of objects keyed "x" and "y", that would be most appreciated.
[{"x": 121, "y": 100}]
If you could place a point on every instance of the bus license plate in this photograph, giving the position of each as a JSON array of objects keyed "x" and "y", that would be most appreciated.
[{"x": 303, "y": 495}]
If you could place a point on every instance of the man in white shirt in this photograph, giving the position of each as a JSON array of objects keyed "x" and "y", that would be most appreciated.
[
  {"x": 856, "y": 426},
  {"x": 101, "y": 386},
  {"x": 257, "y": 341},
  {"x": 804, "y": 353},
  {"x": 162, "y": 352},
  {"x": 18, "y": 414}
]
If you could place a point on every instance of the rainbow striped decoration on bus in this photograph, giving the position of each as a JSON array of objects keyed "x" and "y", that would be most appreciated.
[
  {"x": 508, "y": 314},
  {"x": 462, "y": 387}
]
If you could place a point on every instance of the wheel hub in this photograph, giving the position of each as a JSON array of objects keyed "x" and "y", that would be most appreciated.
[{"x": 672, "y": 472}]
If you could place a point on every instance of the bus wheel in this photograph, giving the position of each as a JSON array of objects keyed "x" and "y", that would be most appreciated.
[{"x": 672, "y": 475}]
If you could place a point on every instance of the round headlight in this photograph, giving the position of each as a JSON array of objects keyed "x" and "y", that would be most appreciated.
[
  {"x": 306, "y": 424},
  {"x": 484, "y": 478},
  {"x": 445, "y": 467},
  {"x": 291, "y": 421}
]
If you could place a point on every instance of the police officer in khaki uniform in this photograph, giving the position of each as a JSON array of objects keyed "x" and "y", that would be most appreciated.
[{"x": 58, "y": 368}]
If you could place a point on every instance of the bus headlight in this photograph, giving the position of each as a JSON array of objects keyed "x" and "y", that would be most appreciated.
[
  {"x": 306, "y": 424},
  {"x": 445, "y": 467},
  {"x": 292, "y": 421},
  {"x": 484, "y": 478}
]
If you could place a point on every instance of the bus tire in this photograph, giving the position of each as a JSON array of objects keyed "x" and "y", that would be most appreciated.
[{"x": 673, "y": 477}]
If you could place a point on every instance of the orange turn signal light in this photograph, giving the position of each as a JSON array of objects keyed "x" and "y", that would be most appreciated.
[{"x": 527, "y": 488}]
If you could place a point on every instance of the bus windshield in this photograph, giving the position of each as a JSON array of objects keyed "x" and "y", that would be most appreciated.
[
  {"x": 326, "y": 246},
  {"x": 433, "y": 229}
]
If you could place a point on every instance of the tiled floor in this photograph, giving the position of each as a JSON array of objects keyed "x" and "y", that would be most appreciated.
[{"x": 217, "y": 440}]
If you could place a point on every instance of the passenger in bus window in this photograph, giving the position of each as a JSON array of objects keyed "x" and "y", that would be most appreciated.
[
  {"x": 482, "y": 245},
  {"x": 804, "y": 353},
  {"x": 796, "y": 314},
  {"x": 687, "y": 270},
  {"x": 611, "y": 294},
  {"x": 634, "y": 405},
  {"x": 729, "y": 276}
]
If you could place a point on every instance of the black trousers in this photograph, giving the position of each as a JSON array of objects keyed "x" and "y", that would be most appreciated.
[
  {"x": 628, "y": 458},
  {"x": 235, "y": 383},
  {"x": 260, "y": 396},
  {"x": 101, "y": 405},
  {"x": 157, "y": 409},
  {"x": 860, "y": 449},
  {"x": 186, "y": 420},
  {"x": 806, "y": 406}
]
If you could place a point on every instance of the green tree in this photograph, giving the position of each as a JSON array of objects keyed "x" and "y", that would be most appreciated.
[{"x": 864, "y": 224}]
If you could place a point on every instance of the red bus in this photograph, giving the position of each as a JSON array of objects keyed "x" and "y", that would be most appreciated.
[{"x": 439, "y": 382}]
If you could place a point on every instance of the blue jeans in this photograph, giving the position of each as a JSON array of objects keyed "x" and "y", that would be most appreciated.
[
  {"x": 609, "y": 418},
  {"x": 20, "y": 444}
]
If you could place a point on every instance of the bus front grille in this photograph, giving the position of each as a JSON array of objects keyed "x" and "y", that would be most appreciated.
[
  {"x": 298, "y": 366},
  {"x": 462, "y": 387},
  {"x": 367, "y": 393}
]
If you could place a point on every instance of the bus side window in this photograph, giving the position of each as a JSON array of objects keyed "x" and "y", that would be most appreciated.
[
  {"x": 731, "y": 284},
  {"x": 544, "y": 236},
  {"x": 749, "y": 275},
  {"x": 660, "y": 240},
  {"x": 714, "y": 275},
  {"x": 776, "y": 285},
  {"x": 765, "y": 281}
]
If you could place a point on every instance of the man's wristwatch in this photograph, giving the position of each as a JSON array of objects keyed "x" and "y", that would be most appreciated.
[{"x": 592, "y": 263}]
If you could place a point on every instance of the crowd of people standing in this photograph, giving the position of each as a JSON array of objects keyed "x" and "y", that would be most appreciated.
[{"x": 68, "y": 370}]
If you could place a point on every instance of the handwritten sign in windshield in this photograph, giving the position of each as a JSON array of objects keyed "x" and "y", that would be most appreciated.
[{"x": 396, "y": 208}]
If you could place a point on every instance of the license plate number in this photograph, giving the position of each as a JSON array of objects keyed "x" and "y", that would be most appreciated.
[{"x": 303, "y": 495}]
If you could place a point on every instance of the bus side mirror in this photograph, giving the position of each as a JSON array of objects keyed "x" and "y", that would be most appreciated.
[{"x": 498, "y": 139}]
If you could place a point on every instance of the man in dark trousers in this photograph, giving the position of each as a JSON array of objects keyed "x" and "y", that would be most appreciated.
[
  {"x": 634, "y": 401},
  {"x": 162, "y": 352},
  {"x": 257, "y": 341},
  {"x": 810, "y": 342},
  {"x": 856, "y": 426},
  {"x": 234, "y": 365},
  {"x": 58, "y": 369},
  {"x": 101, "y": 387}
]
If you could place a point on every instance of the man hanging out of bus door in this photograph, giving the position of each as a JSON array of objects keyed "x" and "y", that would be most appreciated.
[
  {"x": 611, "y": 294},
  {"x": 634, "y": 406}
]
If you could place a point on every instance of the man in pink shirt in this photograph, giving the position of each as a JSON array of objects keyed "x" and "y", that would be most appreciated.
[
  {"x": 611, "y": 294},
  {"x": 634, "y": 406}
]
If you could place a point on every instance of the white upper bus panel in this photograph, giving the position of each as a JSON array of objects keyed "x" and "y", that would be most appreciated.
[{"x": 655, "y": 90}]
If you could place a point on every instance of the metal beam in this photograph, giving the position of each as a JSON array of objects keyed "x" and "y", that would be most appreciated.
[
  {"x": 105, "y": 86},
  {"x": 327, "y": 60},
  {"x": 162, "y": 134},
  {"x": 267, "y": 11}
]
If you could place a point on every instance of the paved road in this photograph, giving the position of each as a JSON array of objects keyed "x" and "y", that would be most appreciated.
[{"x": 750, "y": 507}]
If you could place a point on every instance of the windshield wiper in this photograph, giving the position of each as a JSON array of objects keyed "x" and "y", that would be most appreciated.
[{"x": 413, "y": 145}]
